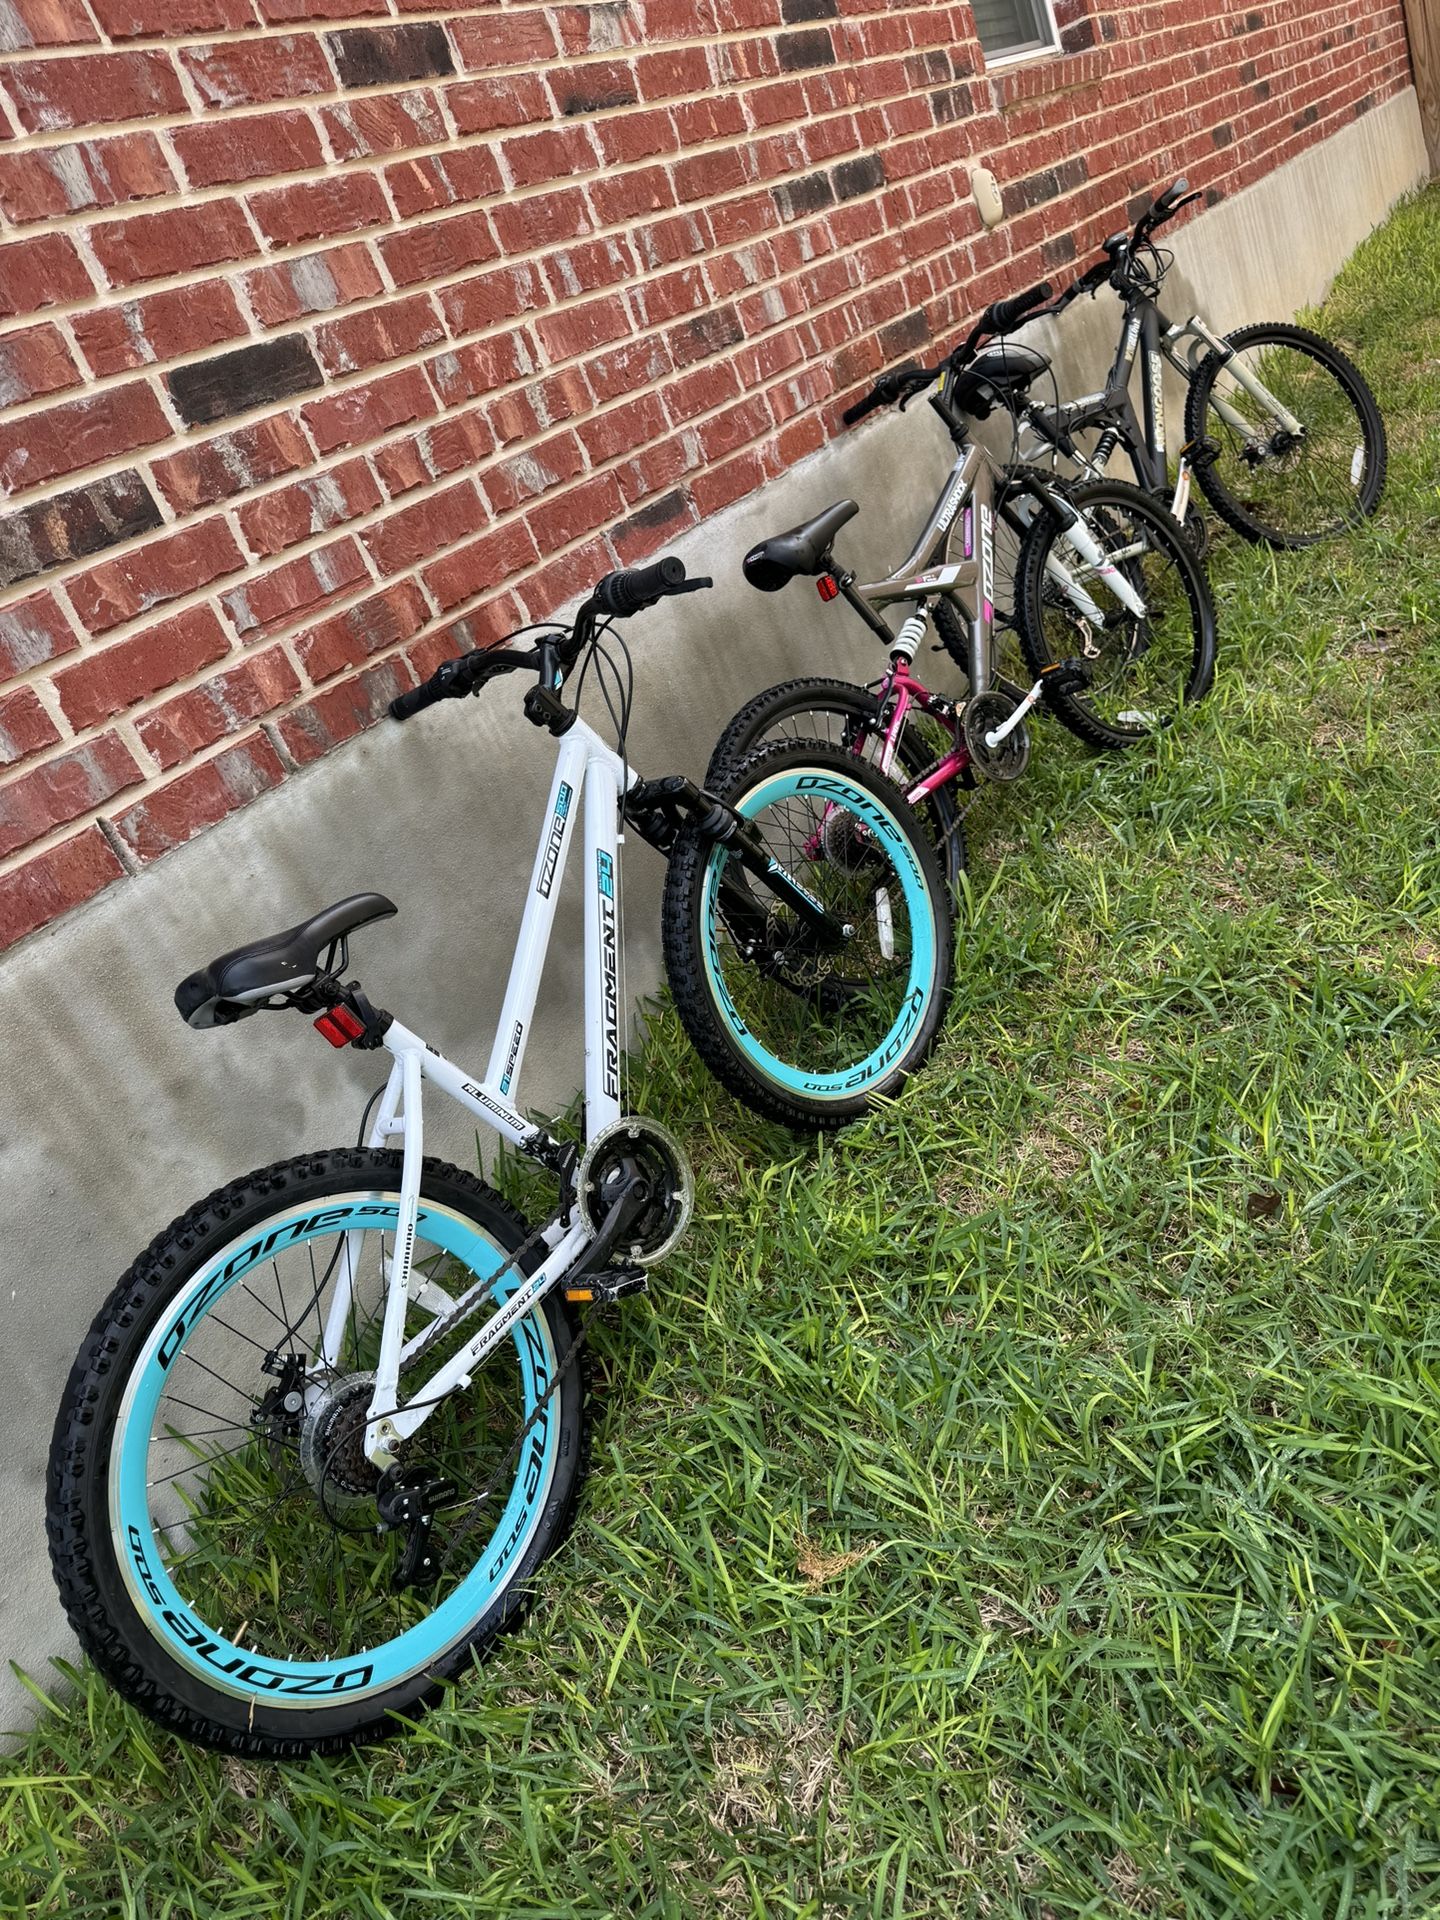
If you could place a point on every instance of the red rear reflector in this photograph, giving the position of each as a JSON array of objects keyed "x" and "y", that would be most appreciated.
[
  {"x": 339, "y": 1026},
  {"x": 826, "y": 587}
]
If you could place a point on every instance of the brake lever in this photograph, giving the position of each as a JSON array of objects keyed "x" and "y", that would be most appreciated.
[{"x": 698, "y": 584}]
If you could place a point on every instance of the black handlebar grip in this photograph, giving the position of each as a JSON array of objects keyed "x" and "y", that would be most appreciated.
[
  {"x": 875, "y": 398},
  {"x": 1175, "y": 191},
  {"x": 1005, "y": 313},
  {"x": 418, "y": 698},
  {"x": 636, "y": 588}
]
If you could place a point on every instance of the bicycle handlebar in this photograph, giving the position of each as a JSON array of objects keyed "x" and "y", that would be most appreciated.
[{"x": 616, "y": 597}]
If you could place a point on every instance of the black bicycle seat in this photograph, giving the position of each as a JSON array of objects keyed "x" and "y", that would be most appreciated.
[
  {"x": 235, "y": 984},
  {"x": 804, "y": 549}
]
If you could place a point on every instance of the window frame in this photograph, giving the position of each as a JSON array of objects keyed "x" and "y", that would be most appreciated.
[{"x": 1033, "y": 50}]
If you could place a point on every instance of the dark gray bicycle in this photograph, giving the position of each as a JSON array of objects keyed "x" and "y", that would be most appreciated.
[{"x": 1282, "y": 433}]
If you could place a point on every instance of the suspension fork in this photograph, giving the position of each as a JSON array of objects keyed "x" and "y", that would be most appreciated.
[
  {"x": 1073, "y": 526},
  {"x": 655, "y": 808}
]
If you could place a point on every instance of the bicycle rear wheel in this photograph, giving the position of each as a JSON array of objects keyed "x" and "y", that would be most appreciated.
[
  {"x": 1269, "y": 482},
  {"x": 211, "y": 1513},
  {"x": 1141, "y": 667},
  {"x": 848, "y": 717},
  {"x": 804, "y": 1027}
]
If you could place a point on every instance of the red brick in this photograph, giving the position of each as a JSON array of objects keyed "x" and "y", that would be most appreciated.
[
  {"x": 592, "y": 29},
  {"x": 48, "y": 23},
  {"x": 507, "y": 100},
  {"x": 543, "y": 219},
  {"x": 231, "y": 463},
  {"x": 441, "y": 248},
  {"x": 348, "y": 639},
  {"x": 626, "y": 196},
  {"x": 554, "y": 154},
  {"x": 486, "y": 563},
  {"x": 510, "y": 39},
  {"x": 510, "y": 483},
  {"x": 110, "y": 678},
  {"x": 291, "y": 514},
  {"x": 364, "y": 413},
  {"x": 567, "y": 579},
  {"x": 197, "y": 799},
  {"x": 151, "y": 246},
  {"x": 314, "y": 209},
  {"x": 257, "y": 146},
  {"x": 382, "y": 333},
  {"x": 473, "y": 305},
  {"x": 144, "y": 19},
  {"x": 274, "y": 599},
  {"x": 579, "y": 330},
  {"x": 43, "y": 271},
  {"x": 44, "y": 183},
  {"x": 31, "y": 632},
  {"x": 620, "y": 430},
  {"x": 61, "y": 789},
  {"x": 159, "y": 326},
  {"x": 636, "y": 136},
  {"x": 459, "y": 441},
  {"x": 54, "y": 882},
  {"x": 195, "y": 720},
  {"x": 587, "y": 508},
  {"x": 161, "y": 570},
  {"x": 415, "y": 533},
  {"x": 384, "y": 123},
  {"x": 243, "y": 73},
  {"x": 94, "y": 88},
  {"x": 480, "y": 366},
  {"x": 342, "y": 711},
  {"x": 33, "y": 361},
  {"x": 25, "y": 726},
  {"x": 81, "y": 433},
  {"x": 317, "y": 283},
  {"x": 450, "y": 179}
]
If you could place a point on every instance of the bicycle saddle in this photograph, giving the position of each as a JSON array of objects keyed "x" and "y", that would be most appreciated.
[
  {"x": 234, "y": 985},
  {"x": 804, "y": 549}
]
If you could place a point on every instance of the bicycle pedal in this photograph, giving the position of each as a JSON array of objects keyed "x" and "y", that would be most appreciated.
[
  {"x": 603, "y": 1289},
  {"x": 1067, "y": 676}
]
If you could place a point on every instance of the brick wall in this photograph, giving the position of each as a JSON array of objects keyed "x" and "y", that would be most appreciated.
[{"x": 339, "y": 335}]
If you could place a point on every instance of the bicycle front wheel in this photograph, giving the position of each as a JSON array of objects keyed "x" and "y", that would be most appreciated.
[
  {"x": 1298, "y": 460},
  {"x": 211, "y": 1512},
  {"x": 809, "y": 1024},
  {"x": 1138, "y": 626}
]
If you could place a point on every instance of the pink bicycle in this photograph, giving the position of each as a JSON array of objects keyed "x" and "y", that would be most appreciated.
[{"x": 1109, "y": 602}]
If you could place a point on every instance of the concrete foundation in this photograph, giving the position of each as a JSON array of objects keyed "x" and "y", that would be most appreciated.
[{"x": 115, "y": 1117}]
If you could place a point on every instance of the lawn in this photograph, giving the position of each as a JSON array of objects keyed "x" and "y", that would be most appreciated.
[{"x": 1025, "y": 1504}]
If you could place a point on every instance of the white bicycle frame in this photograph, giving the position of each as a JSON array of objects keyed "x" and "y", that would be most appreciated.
[{"x": 584, "y": 765}]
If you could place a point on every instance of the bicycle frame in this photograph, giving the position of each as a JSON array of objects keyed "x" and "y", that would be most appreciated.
[
  {"x": 584, "y": 764},
  {"x": 1147, "y": 332},
  {"x": 965, "y": 510}
]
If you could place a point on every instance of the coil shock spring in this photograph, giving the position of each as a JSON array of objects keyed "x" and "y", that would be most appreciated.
[
  {"x": 1104, "y": 447},
  {"x": 911, "y": 633}
]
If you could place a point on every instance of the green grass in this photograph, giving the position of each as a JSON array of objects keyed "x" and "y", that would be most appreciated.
[{"x": 1027, "y": 1503}]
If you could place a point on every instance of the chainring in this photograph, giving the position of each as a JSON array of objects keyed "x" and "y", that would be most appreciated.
[
  {"x": 663, "y": 1220},
  {"x": 1009, "y": 759}
]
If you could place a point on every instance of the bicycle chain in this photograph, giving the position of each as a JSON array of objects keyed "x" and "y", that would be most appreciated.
[{"x": 468, "y": 1526}]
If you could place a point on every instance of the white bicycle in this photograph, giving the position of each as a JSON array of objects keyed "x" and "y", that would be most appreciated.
[{"x": 328, "y": 1425}]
